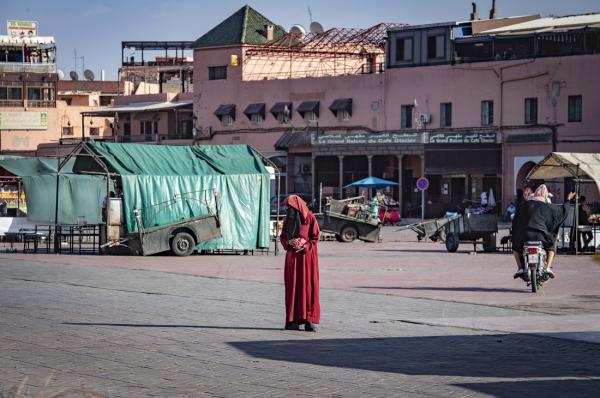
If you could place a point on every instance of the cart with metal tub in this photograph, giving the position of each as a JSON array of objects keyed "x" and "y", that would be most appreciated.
[
  {"x": 472, "y": 228},
  {"x": 429, "y": 229},
  {"x": 349, "y": 220},
  {"x": 468, "y": 228}
]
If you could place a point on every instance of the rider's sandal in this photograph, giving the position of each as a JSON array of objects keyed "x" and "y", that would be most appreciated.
[{"x": 550, "y": 273}]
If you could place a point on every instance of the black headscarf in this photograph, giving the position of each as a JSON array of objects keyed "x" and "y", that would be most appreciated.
[{"x": 292, "y": 223}]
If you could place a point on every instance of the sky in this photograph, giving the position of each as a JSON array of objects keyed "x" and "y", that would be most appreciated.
[{"x": 96, "y": 28}]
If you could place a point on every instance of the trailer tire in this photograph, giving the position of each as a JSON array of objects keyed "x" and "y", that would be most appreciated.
[
  {"x": 348, "y": 234},
  {"x": 452, "y": 242},
  {"x": 182, "y": 244}
]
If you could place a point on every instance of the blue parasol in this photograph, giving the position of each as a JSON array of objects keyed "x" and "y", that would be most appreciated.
[{"x": 372, "y": 182}]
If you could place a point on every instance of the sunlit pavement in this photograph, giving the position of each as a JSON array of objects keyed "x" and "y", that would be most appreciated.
[{"x": 400, "y": 318}]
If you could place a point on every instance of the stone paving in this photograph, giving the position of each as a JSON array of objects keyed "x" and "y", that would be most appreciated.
[{"x": 123, "y": 327}]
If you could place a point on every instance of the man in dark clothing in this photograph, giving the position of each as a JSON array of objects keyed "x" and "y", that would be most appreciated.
[{"x": 537, "y": 220}]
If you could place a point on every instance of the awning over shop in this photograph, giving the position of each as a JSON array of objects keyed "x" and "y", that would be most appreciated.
[
  {"x": 255, "y": 109},
  {"x": 463, "y": 159},
  {"x": 568, "y": 164},
  {"x": 224, "y": 110},
  {"x": 341, "y": 104},
  {"x": 293, "y": 139},
  {"x": 280, "y": 107},
  {"x": 140, "y": 107},
  {"x": 308, "y": 106}
]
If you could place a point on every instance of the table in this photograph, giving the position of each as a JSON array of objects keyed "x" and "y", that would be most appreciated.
[{"x": 78, "y": 239}]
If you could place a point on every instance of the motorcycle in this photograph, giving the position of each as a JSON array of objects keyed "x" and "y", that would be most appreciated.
[{"x": 534, "y": 259}]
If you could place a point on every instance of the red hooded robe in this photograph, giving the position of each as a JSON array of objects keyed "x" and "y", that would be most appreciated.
[{"x": 301, "y": 270}]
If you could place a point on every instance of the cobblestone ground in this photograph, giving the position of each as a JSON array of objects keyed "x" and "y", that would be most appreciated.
[{"x": 133, "y": 332}]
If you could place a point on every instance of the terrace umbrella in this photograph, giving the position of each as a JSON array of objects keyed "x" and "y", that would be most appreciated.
[
  {"x": 491, "y": 199},
  {"x": 372, "y": 182}
]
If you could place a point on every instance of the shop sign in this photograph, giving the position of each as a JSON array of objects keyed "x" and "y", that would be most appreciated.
[
  {"x": 366, "y": 139},
  {"x": 462, "y": 138},
  {"x": 21, "y": 28},
  {"x": 23, "y": 120}
]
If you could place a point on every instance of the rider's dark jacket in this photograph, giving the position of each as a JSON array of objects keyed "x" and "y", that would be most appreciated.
[{"x": 538, "y": 221}]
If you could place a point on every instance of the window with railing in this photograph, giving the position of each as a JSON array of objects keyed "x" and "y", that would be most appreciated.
[
  {"x": 10, "y": 95},
  {"x": 217, "y": 72},
  {"x": 67, "y": 131},
  {"x": 94, "y": 131},
  {"x": 406, "y": 113},
  {"x": 40, "y": 96}
]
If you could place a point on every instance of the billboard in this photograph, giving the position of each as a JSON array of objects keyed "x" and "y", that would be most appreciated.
[
  {"x": 23, "y": 120},
  {"x": 22, "y": 28}
]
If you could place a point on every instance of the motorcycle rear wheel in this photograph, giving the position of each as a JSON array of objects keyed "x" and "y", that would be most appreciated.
[{"x": 534, "y": 280}]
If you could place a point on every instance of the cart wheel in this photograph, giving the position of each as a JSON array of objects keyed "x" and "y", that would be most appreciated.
[
  {"x": 182, "y": 244},
  {"x": 452, "y": 242},
  {"x": 338, "y": 238},
  {"x": 348, "y": 234},
  {"x": 489, "y": 243}
]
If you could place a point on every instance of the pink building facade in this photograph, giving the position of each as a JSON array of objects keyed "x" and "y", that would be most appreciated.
[{"x": 468, "y": 126}]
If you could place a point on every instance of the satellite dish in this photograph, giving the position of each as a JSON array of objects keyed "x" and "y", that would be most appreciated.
[
  {"x": 316, "y": 27},
  {"x": 73, "y": 75},
  {"x": 88, "y": 74},
  {"x": 61, "y": 74},
  {"x": 298, "y": 30}
]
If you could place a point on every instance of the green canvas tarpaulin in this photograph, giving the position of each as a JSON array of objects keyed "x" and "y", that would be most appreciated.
[
  {"x": 79, "y": 195},
  {"x": 153, "y": 175}
]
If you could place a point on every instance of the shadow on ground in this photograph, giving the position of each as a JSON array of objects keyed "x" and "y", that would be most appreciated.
[
  {"x": 537, "y": 388},
  {"x": 448, "y": 289},
  {"x": 502, "y": 355},
  {"x": 159, "y": 326}
]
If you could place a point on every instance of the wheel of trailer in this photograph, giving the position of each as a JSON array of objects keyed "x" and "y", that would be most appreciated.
[
  {"x": 452, "y": 242},
  {"x": 338, "y": 238},
  {"x": 489, "y": 243},
  {"x": 182, "y": 244},
  {"x": 348, "y": 234}
]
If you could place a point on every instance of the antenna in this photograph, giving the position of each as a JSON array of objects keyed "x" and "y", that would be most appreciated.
[
  {"x": 316, "y": 28},
  {"x": 298, "y": 30},
  {"x": 88, "y": 74},
  {"x": 73, "y": 75},
  {"x": 310, "y": 14},
  {"x": 61, "y": 74}
]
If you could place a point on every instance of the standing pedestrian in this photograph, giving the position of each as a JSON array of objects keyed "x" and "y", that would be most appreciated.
[{"x": 299, "y": 238}]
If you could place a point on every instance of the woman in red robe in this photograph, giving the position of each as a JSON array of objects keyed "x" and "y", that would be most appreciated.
[{"x": 299, "y": 238}]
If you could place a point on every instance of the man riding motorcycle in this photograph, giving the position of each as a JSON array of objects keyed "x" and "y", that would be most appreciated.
[{"x": 537, "y": 220}]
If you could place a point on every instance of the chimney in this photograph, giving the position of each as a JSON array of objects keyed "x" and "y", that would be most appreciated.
[
  {"x": 269, "y": 32},
  {"x": 474, "y": 15},
  {"x": 493, "y": 10}
]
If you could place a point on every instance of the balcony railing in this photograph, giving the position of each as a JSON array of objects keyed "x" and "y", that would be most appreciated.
[
  {"x": 11, "y": 103},
  {"x": 17, "y": 67},
  {"x": 41, "y": 104}
]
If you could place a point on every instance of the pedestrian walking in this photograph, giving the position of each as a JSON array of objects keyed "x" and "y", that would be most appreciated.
[{"x": 299, "y": 238}]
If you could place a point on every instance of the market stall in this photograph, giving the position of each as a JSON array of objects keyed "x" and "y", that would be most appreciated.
[{"x": 580, "y": 167}]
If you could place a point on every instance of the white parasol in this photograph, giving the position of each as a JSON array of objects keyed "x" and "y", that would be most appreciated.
[{"x": 491, "y": 200}]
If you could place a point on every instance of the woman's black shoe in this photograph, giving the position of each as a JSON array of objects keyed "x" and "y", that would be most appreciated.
[
  {"x": 310, "y": 327},
  {"x": 292, "y": 326}
]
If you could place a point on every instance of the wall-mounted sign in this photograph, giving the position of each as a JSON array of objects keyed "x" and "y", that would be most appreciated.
[
  {"x": 23, "y": 120},
  {"x": 462, "y": 138},
  {"x": 364, "y": 139},
  {"x": 22, "y": 28}
]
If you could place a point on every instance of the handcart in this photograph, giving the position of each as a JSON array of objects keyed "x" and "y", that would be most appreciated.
[
  {"x": 429, "y": 229},
  {"x": 472, "y": 228},
  {"x": 468, "y": 228}
]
